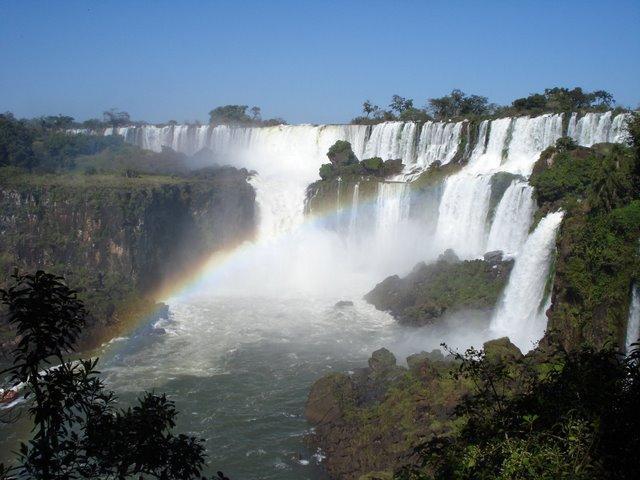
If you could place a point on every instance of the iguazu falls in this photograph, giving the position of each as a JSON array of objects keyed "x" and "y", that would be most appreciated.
[{"x": 343, "y": 283}]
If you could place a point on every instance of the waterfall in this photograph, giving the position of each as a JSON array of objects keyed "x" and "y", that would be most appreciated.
[
  {"x": 392, "y": 211},
  {"x": 463, "y": 213},
  {"x": 600, "y": 127},
  {"x": 353, "y": 218},
  {"x": 512, "y": 218},
  {"x": 521, "y": 314},
  {"x": 439, "y": 141},
  {"x": 530, "y": 136},
  {"x": 633, "y": 323},
  {"x": 490, "y": 157},
  {"x": 392, "y": 141}
]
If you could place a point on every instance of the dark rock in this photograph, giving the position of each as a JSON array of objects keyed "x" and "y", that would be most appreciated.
[
  {"x": 344, "y": 303},
  {"x": 382, "y": 360},
  {"x": 501, "y": 349},
  {"x": 430, "y": 291},
  {"x": 493, "y": 257},
  {"x": 448, "y": 256},
  {"x": 328, "y": 398},
  {"x": 418, "y": 360}
]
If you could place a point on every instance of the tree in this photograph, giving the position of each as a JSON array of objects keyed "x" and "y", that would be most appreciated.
[
  {"x": 78, "y": 431},
  {"x": 256, "y": 114},
  {"x": 368, "y": 108},
  {"x": 400, "y": 104},
  {"x": 229, "y": 114},
  {"x": 16, "y": 141},
  {"x": 115, "y": 118},
  {"x": 458, "y": 103}
]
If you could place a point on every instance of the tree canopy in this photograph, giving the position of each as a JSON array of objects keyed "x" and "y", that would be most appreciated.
[{"x": 78, "y": 432}]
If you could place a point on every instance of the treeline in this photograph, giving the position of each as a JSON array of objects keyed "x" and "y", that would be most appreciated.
[{"x": 459, "y": 104}]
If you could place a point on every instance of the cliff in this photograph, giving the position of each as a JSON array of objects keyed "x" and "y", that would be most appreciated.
[{"x": 116, "y": 239}]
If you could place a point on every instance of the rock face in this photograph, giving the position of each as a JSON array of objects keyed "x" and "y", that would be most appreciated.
[
  {"x": 368, "y": 423},
  {"x": 430, "y": 291},
  {"x": 114, "y": 237}
]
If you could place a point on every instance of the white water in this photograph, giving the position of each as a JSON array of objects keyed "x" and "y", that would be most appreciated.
[
  {"x": 512, "y": 219},
  {"x": 521, "y": 315},
  {"x": 353, "y": 215},
  {"x": 463, "y": 214},
  {"x": 593, "y": 128},
  {"x": 292, "y": 256},
  {"x": 633, "y": 323}
]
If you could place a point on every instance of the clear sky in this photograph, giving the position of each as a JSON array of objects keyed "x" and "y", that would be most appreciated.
[{"x": 305, "y": 61}]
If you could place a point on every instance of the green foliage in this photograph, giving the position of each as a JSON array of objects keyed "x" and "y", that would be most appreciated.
[
  {"x": 598, "y": 258},
  {"x": 577, "y": 421},
  {"x": 373, "y": 165},
  {"x": 458, "y": 104},
  {"x": 429, "y": 291},
  {"x": 563, "y": 100},
  {"x": 341, "y": 154},
  {"x": 344, "y": 163},
  {"x": 16, "y": 143},
  {"x": 78, "y": 432},
  {"x": 237, "y": 115}
]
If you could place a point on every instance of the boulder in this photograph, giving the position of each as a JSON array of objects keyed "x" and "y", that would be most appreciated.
[
  {"x": 418, "y": 360},
  {"x": 344, "y": 303},
  {"x": 494, "y": 256},
  {"x": 328, "y": 398},
  {"x": 501, "y": 349},
  {"x": 448, "y": 256},
  {"x": 382, "y": 360}
]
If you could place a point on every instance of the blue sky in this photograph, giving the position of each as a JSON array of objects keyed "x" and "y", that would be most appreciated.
[{"x": 304, "y": 61}]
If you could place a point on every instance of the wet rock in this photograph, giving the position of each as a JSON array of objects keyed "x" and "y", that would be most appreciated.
[
  {"x": 501, "y": 349},
  {"x": 448, "y": 256},
  {"x": 430, "y": 291},
  {"x": 382, "y": 360},
  {"x": 493, "y": 257},
  {"x": 328, "y": 398},
  {"x": 344, "y": 303},
  {"x": 418, "y": 360}
]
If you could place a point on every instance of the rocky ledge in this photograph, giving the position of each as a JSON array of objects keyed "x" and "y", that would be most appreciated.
[
  {"x": 368, "y": 422},
  {"x": 430, "y": 291}
]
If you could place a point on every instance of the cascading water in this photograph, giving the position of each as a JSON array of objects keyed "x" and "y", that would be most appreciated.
[
  {"x": 463, "y": 214},
  {"x": 633, "y": 323},
  {"x": 353, "y": 215},
  {"x": 392, "y": 213},
  {"x": 439, "y": 141},
  {"x": 512, "y": 219},
  {"x": 260, "y": 323},
  {"x": 592, "y": 128},
  {"x": 521, "y": 314}
]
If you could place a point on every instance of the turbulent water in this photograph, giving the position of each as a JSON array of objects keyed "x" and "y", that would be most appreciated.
[{"x": 244, "y": 343}]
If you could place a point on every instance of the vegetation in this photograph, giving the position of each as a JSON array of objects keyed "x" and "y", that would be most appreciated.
[
  {"x": 44, "y": 146},
  {"x": 237, "y": 115},
  {"x": 564, "y": 100},
  {"x": 344, "y": 164},
  {"x": 571, "y": 416},
  {"x": 459, "y": 105},
  {"x": 78, "y": 431},
  {"x": 430, "y": 291},
  {"x": 598, "y": 188}
]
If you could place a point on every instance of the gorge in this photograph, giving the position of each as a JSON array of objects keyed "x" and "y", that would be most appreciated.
[{"x": 261, "y": 309}]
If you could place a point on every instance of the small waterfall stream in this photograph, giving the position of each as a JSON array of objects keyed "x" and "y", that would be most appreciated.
[{"x": 633, "y": 323}]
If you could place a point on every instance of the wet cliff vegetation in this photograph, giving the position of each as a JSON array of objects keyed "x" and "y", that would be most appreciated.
[
  {"x": 117, "y": 221},
  {"x": 565, "y": 410}
]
